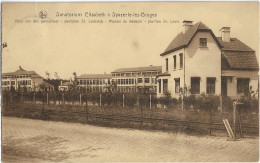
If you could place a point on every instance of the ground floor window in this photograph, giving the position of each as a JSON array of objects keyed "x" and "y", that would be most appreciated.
[
  {"x": 177, "y": 85},
  {"x": 211, "y": 85},
  {"x": 242, "y": 85},
  {"x": 195, "y": 85}
]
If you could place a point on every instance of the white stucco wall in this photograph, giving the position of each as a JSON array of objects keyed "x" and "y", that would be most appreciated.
[
  {"x": 232, "y": 82},
  {"x": 203, "y": 62}
]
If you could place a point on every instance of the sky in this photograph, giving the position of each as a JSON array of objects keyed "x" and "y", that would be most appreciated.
[{"x": 101, "y": 48}]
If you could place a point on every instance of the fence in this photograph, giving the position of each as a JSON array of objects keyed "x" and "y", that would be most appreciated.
[{"x": 130, "y": 110}]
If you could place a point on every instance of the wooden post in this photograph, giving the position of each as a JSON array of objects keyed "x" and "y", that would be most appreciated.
[
  {"x": 142, "y": 112},
  {"x": 240, "y": 123},
  {"x": 123, "y": 100},
  {"x": 11, "y": 97},
  {"x": 182, "y": 101},
  {"x": 234, "y": 118},
  {"x": 100, "y": 102},
  {"x": 63, "y": 98},
  {"x": 220, "y": 105},
  {"x": 210, "y": 120},
  {"x": 80, "y": 99},
  {"x": 150, "y": 101},
  {"x": 34, "y": 97},
  {"x": 86, "y": 109},
  {"x": 43, "y": 107},
  {"x": 47, "y": 98}
]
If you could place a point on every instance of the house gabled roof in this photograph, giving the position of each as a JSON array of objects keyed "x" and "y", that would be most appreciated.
[
  {"x": 21, "y": 71},
  {"x": 182, "y": 40},
  {"x": 237, "y": 55},
  {"x": 139, "y": 69},
  {"x": 95, "y": 76}
]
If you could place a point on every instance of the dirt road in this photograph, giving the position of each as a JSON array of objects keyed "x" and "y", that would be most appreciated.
[{"x": 26, "y": 140}]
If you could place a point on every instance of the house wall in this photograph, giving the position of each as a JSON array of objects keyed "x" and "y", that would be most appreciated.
[
  {"x": 198, "y": 61},
  {"x": 232, "y": 81},
  {"x": 175, "y": 73},
  {"x": 203, "y": 62}
]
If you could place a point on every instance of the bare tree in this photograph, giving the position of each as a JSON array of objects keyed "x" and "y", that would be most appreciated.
[
  {"x": 47, "y": 74},
  {"x": 56, "y": 75}
]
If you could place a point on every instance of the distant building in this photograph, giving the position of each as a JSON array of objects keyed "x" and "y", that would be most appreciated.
[
  {"x": 64, "y": 86},
  {"x": 95, "y": 82},
  {"x": 199, "y": 62},
  {"x": 136, "y": 78},
  {"x": 22, "y": 79}
]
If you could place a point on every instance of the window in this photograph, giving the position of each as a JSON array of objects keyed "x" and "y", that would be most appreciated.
[
  {"x": 211, "y": 85},
  {"x": 177, "y": 85},
  {"x": 181, "y": 60},
  {"x": 203, "y": 42},
  {"x": 195, "y": 85},
  {"x": 166, "y": 60},
  {"x": 242, "y": 85},
  {"x": 140, "y": 80},
  {"x": 160, "y": 90},
  {"x": 147, "y": 80},
  {"x": 174, "y": 62}
]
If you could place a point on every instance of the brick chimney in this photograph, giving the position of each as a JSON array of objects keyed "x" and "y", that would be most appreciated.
[
  {"x": 225, "y": 34},
  {"x": 186, "y": 25}
]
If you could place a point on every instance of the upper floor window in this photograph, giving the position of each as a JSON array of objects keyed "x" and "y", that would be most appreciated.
[
  {"x": 181, "y": 60},
  {"x": 166, "y": 64},
  {"x": 203, "y": 42},
  {"x": 243, "y": 85},
  {"x": 174, "y": 62}
]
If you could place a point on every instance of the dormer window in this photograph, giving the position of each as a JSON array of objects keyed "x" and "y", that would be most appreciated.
[{"x": 203, "y": 42}]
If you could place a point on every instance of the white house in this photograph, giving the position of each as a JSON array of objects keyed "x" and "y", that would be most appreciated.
[{"x": 197, "y": 61}]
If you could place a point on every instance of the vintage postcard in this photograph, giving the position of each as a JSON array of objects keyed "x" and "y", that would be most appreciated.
[{"x": 130, "y": 82}]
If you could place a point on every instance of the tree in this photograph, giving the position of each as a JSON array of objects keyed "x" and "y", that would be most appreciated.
[
  {"x": 56, "y": 75},
  {"x": 47, "y": 74},
  {"x": 75, "y": 78}
]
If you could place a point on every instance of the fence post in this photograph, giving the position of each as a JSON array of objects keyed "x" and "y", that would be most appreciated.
[
  {"x": 234, "y": 118},
  {"x": 123, "y": 100},
  {"x": 63, "y": 98},
  {"x": 210, "y": 120},
  {"x": 80, "y": 99},
  {"x": 11, "y": 98},
  {"x": 100, "y": 100},
  {"x": 34, "y": 97},
  {"x": 86, "y": 109},
  {"x": 142, "y": 111},
  {"x": 43, "y": 107},
  {"x": 150, "y": 101},
  {"x": 47, "y": 98},
  {"x": 220, "y": 105},
  {"x": 240, "y": 123},
  {"x": 182, "y": 102}
]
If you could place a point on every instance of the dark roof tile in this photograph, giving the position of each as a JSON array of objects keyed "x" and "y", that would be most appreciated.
[{"x": 139, "y": 69}]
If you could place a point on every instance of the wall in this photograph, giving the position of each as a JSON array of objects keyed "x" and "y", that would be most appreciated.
[
  {"x": 232, "y": 82},
  {"x": 203, "y": 62}
]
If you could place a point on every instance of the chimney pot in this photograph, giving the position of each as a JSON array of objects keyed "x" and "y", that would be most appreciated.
[
  {"x": 186, "y": 25},
  {"x": 225, "y": 34}
]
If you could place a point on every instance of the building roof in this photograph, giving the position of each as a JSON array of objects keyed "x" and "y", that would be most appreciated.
[
  {"x": 182, "y": 40},
  {"x": 46, "y": 84},
  {"x": 21, "y": 71},
  {"x": 139, "y": 69},
  {"x": 237, "y": 55},
  {"x": 95, "y": 76},
  {"x": 164, "y": 74},
  {"x": 234, "y": 44},
  {"x": 239, "y": 60}
]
